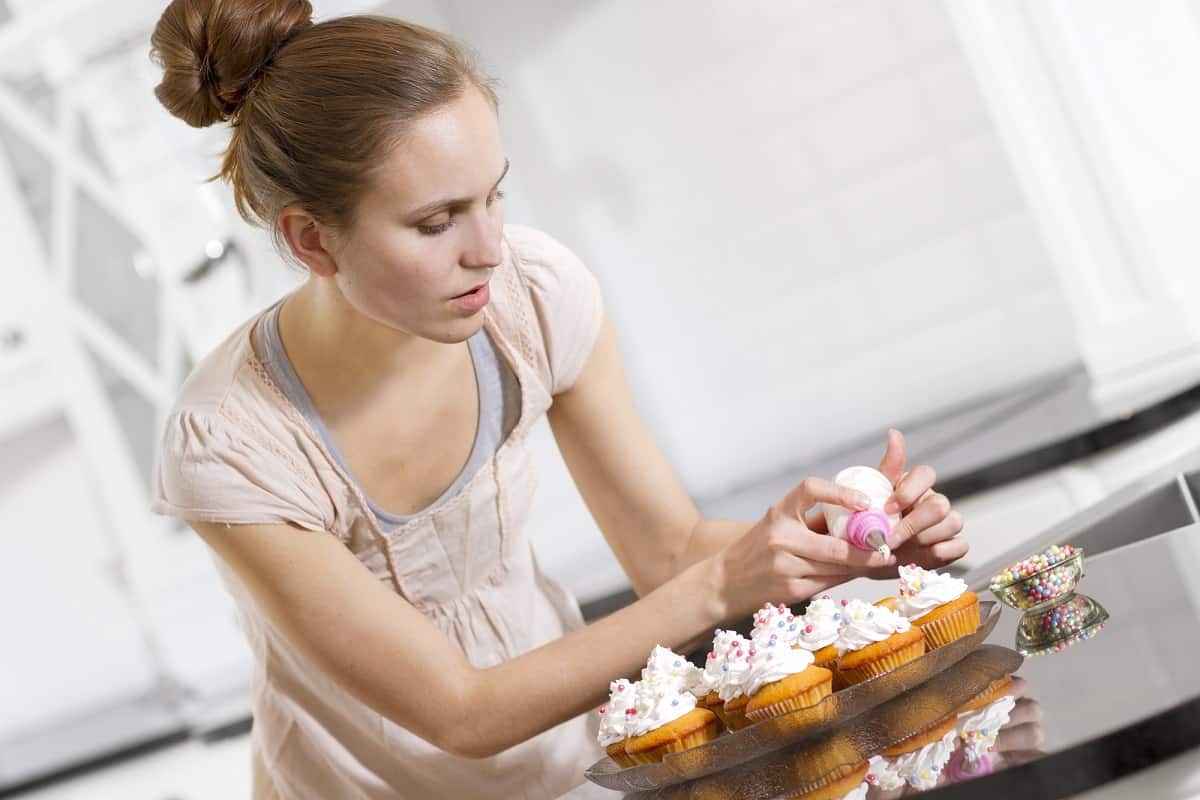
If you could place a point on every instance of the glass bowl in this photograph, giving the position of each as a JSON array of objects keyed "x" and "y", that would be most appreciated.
[
  {"x": 1052, "y": 629},
  {"x": 1044, "y": 587}
]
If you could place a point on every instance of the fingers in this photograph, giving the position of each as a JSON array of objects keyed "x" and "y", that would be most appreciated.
[
  {"x": 1026, "y": 711},
  {"x": 949, "y": 527},
  {"x": 815, "y": 547},
  {"x": 1020, "y": 737},
  {"x": 811, "y": 491},
  {"x": 910, "y": 488},
  {"x": 929, "y": 512},
  {"x": 949, "y": 551},
  {"x": 815, "y": 522},
  {"x": 894, "y": 457},
  {"x": 1020, "y": 687}
]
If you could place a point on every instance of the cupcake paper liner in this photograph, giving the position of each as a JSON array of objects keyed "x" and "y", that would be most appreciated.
[
  {"x": 943, "y": 631},
  {"x": 885, "y": 663}
]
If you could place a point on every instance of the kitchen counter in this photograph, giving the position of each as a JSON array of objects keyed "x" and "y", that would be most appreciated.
[{"x": 1127, "y": 697}]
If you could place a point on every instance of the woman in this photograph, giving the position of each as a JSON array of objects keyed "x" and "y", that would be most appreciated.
[{"x": 356, "y": 454}]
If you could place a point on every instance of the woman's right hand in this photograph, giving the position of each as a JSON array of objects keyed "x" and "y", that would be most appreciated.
[{"x": 781, "y": 560}]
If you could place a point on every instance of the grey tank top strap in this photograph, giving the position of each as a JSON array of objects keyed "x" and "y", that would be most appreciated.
[{"x": 499, "y": 407}]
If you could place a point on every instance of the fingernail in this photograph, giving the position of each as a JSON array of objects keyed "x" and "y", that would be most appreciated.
[
  {"x": 861, "y": 501},
  {"x": 891, "y": 507}
]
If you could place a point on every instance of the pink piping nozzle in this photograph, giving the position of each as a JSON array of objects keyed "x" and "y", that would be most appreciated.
[{"x": 862, "y": 524}]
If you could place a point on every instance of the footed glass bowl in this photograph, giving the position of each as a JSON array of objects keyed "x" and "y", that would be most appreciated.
[
  {"x": 1052, "y": 629},
  {"x": 1043, "y": 588}
]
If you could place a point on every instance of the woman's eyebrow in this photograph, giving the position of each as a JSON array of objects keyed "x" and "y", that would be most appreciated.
[{"x": 437, "y": 205}]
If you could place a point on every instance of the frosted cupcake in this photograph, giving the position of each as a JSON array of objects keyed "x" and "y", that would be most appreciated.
[
  {"x": 819, "y": 629},
  {"x": 939, "y": 605},
  {"x": 710, "y": 676},
  {"x": 921, "y": 758},
  {"x": 782, "y": 679},
  {"x": 668, "y": 668},
  {"x": 615, "y": 722},
  {"x": 731, "y": 689},
  {"x": 844, "y": 784},
  {"x": 666, "y": 720},
  {"x": 778, "y": 621},
  {"x": 874, "y": 640},
  {"x": 978, "y": 729},
  {"x": 994, "y": 691},
  {"x": 882, "y": 772}
]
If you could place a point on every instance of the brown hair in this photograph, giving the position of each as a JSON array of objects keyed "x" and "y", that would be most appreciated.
[{"x": 313, "y": 107}]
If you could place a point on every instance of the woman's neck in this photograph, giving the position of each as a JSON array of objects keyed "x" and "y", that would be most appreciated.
[{"x": 345, "y": 359}]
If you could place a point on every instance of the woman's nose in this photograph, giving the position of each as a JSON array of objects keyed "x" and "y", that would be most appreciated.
[{"x": 483, "y": 245}]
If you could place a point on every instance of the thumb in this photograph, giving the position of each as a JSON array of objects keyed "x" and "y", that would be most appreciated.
[{"x": 895, "y": 457}]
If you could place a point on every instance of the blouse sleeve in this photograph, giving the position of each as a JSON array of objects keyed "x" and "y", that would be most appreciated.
[
  {"x": 210, "y": 472},
  {"x": 566, "y": 298}
]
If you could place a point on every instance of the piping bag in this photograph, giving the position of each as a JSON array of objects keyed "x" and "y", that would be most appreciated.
[{"x": 868, "y": 529}]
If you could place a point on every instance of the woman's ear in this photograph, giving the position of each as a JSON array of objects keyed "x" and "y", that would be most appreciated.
[{"x": 304, "y": 237}]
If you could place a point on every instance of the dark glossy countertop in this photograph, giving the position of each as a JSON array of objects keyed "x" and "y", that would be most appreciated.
[{"x": 1127, "y": 697}]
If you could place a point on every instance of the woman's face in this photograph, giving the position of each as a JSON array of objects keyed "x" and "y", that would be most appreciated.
[{"x": 428, "y": 230}]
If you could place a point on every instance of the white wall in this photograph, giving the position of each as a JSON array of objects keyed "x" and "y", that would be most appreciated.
[{"x": 802, "y": 218}]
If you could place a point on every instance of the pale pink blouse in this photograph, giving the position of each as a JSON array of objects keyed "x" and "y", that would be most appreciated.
[{"x": 236, "y": 451}]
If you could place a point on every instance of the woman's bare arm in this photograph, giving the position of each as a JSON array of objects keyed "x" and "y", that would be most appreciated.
[
  {"x": 646, "y": 514},
  {"x": 373, "y": 643}
]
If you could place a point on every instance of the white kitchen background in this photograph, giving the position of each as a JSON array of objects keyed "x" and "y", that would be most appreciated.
[{"x": 811, "y": 220}]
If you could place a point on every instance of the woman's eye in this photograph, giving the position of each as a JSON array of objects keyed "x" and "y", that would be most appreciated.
[
  {"x": 434, "y": 230},
  {"x": 442, "y": 227}
]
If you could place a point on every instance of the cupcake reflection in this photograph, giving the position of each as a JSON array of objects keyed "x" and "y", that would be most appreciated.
[{"x": 1004, "y": 732}]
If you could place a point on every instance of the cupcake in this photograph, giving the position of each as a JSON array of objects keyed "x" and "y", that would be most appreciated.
[
  {"x": 846, "y": 783},
  {"x": 920, "y": 758},
  {"x": 978, "y": 728},
  {"x": 614, "y": 720},
  {"x": 665, "y": 667},
  {"x": 778, "y": 621},
  {"x": 939, "y": 605},
  {"x": 882, "y": 772},
  {"x": 782, "y": 679},
  {"x": 819, "y": 630},
  {"x": 666, "y": 720},
  {"x": 714, "y": 670},
  {"x": 874, "y": 640},
  {"x": 731, "y": 695},
  {"x": 994, "y": 691}
]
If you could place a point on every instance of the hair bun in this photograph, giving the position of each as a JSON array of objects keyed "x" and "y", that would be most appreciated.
[{"x": 212, "y": 52}]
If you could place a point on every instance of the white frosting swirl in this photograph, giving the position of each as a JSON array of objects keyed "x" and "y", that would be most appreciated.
[
  {"x": 713, "y": 672},
  {"x": 735, "y": 669},
  {"x": 820, "y": 624},
  {"x": 922, "y": 590},
  {"x": 858, "y": 794},
  {"x": 864, "y": 624},
  {"x": 614, "y": 722},
  {"x": 979, "y": 728},
  {"x": 883, "y": 773},
  {"x": 773, "y": 660},
  {"x": 658, "y": 705},
  {"x": 923, "y": 767},
  {"x": 778, "y": 620},
  {"x": 667, "y": 667}
]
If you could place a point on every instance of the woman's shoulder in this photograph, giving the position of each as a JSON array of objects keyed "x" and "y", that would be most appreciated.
[
  {"x": 230, "y": 450},
  {"x": 226, "y": 369},
  {"x": 564, "y": 298}
]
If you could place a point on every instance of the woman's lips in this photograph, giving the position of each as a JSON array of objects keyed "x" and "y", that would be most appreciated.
[{"x": 475, "y": 299}]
